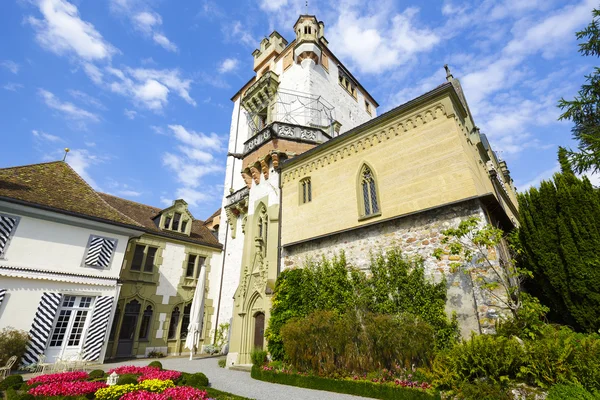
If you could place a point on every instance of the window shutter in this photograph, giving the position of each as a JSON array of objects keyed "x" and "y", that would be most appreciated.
[
  {"x": 7, "y": 227},
  {"x": 96, "y": 335},
  {"x": 325, "y": 61},
  {"x": 41, "y": 327},
  {"x": 2, "y": 294},
  {"x": 100, "y": 251},
  {"x": 288, "y": 59}
]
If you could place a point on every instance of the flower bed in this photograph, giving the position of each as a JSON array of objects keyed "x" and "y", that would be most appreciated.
[
  {"x": 59, "y": 377},
  {"x": 67, "y": 388},
  {"x": 375, "y": 388},
  {"x": 160, "y": 375}
]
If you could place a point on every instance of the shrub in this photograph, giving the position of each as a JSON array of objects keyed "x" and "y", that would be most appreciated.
[
  {"x": 222, "y": 362},
  {"x": 483, "y": 391},
  {"x": 156, "y": 354},
  {"x": 96, "y": 374},
  {"x": 156, "y": 364},
  {"x": 12, "y": 394},
  {"x": 127, "y": 379},
  {"x": 569, "y": 392},
  {"x": 495, "y": 359},
  {"x": 11, "y": 382},
  {"x": 197, "y": 380},
  {"x": 13, "y": 342},
  {"x": 258, "y": 357}
]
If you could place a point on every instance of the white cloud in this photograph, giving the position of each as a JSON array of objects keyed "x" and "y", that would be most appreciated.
[
  {"x": 228, "y": 65},
  {"x": 196, "y": 140},
  {"x": 93, "y": 72},
  {"x": 86, "y": 98},
  {"x": 150, "y": 88},
  {"x": 129, "y": 193},
  {"x": 535, "y": 181},
  {"x": 68, "y": 109},
  {"x": 10, "y": 65},
  {"x": 382, "y": 41},
  {"x": 80, "y": 160},
  {"x": 238, "y": 32},
  {"x": 45, "y": 136},
  {"x": 12, "y": 86},
  {"x": 131, "y": 114},
  {"x": 62, "y": 31},
  {"x": 144, "y": 20},
  {"x": 272, "y": 5}
]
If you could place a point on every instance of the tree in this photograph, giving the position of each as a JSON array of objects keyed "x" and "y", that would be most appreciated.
[
  {"x": 584, "y": 110},
  {"x": 560, "y": 240}
]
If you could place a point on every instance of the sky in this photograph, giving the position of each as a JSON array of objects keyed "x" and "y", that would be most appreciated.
[{"x": 139, "y": 90}]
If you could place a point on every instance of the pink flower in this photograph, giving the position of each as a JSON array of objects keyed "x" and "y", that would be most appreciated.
[
  {"x": 185, "y": 393},
  {"x": 143, "y": 395},
  {"x": 59, "y": 377},
  {"x": 131, "y": 369},
  {"x": 161, "y": 375},
  {"x": 66, "y": 388}
]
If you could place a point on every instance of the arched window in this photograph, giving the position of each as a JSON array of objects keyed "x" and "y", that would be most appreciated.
[
  {"x": 368, "y": 192},
  {"x": 113, "y": 328},
  {"x": 173, "y": 324},
  {"x": 145, "y": 327},
  {"x": 306, "y": 190},
  {"x": 185, "y": 321}
]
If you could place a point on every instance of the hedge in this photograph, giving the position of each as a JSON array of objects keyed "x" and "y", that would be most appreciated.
[{"x": 356, "y": 388}]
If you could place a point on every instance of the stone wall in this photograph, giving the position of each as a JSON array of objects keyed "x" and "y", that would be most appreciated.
[{"x": 417, "y": 235}]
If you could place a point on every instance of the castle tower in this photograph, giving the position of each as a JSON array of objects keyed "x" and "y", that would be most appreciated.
[{"x": 300, "y": 96}]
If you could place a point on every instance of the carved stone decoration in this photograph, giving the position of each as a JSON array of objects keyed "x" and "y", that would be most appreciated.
[
  {"x": 265, "y": 168},
  {"x": 286, "y": 131},
  {"x": 275, "y": 159},
  {"x": 244, "y": 221},
  {"x": 308, "y": 135},
  {"x": 247, "y": 178},
  {"x": 255, "y": 174},
  {"x": 232, "y": 221}
]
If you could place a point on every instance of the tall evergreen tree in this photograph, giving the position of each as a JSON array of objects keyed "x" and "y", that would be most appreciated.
[
  {"x": 560, "y": 237},
  {"x": 584, "y": 109}
]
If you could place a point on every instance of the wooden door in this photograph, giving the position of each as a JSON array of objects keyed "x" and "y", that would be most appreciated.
[{"x": 259, "y": 330}]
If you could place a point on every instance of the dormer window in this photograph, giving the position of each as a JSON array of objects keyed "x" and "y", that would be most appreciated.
[
  {"x": 176, "y": 220},
  {"x": 167, "y": 223},
  {"x": 183, "y": 226}
]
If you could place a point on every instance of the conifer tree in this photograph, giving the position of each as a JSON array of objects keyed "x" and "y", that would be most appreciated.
[{"x": 560, "y": 239}]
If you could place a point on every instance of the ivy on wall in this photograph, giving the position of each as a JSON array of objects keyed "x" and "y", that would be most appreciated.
[{"x": 396, "y": 285}]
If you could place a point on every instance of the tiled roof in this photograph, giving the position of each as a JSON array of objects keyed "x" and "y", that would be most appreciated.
[
  {"x": 56, "y": 186},
  {"x": 144, "y": 215},
  {"x": 209, "y": 219}
]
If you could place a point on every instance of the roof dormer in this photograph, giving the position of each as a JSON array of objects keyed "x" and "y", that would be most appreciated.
[{"x": 176, "y": 218}]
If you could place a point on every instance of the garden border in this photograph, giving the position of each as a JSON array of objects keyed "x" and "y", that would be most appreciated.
[{"x": 358, "y": 388}]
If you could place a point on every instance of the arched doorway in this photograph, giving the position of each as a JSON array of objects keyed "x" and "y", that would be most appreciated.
[
  {"x": 128, "y": 327},
  {"x": 259, "y": 330}
]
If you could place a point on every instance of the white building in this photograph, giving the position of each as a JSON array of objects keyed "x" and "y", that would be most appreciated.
[
  {"x": 61, "y": 250},
  {"x": 301, "y": 96}
]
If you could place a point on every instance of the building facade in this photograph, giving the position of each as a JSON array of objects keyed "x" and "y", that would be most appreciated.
[
  {"x": 160, "y": 273},
  {"x": 61, "y": 250},
  {"x": 313, "y": 171}
]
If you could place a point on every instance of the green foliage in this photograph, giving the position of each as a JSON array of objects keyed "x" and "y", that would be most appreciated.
[
  {"x": 156, "y": 364},
  {"x": 357, "y": 388},
  {"x": 396, "y": 286},
  {"x": 569, "y": 392},
  {"x": 219, "y": 395},
  {"x": 222, "y": 362},
  {"x": 258, "y": 357},
  {"x": 330, "y": 344},
  {"x": 483, "y": 391},
  {"x": 13, "y": 342},
  {"x": 530, "y": 322},
  {"x": 197, "y": 380},
  {"x": 156, "y": 354},
  {"x": 12, "y": 394},
  {"x": 492, "y": 358},
  {"x": 97, "y": 374},
  {"x": 584, "y": 109},
  {"x": 560, "y": 238},
  {"x": 11, "y": 382},
  {"x": 127, "y": 379},
  {"x": 221, "y": 336}
]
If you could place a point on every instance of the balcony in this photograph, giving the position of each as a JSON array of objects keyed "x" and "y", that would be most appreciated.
[
  {"x": 286, "y": 131},
  {"x": 236, "y": 197}
]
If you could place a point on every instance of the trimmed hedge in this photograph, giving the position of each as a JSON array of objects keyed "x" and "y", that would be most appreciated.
[
  {"x": 217, "y": 394},
  {"x": 11, "y": 382},
  {"x": 356, "y": 388},
  {"x": 156, "y": 364}
]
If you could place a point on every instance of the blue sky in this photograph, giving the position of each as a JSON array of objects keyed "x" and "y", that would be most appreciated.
[{"x": 139, "y": 90}]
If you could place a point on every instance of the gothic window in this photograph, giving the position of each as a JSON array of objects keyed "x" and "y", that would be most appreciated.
[
  {"x": 185, "y": 321},
  {"x": 306, "y": 190},
  {"x": 174, "y": 323},
  {"x": 368, "y": 193},
  {"x": 145, "y": 326}
]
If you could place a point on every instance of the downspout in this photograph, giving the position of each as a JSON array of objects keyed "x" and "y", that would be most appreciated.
[
  {"x": 279, "y": 250},
  {"x": 237, "y": 128}
]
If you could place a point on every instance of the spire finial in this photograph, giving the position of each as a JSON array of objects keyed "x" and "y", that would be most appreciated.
[
  {"x": 448, "y": 73},
  {"x": 66, "y": 152}
]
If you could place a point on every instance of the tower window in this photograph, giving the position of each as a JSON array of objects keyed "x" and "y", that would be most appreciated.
[
  {"x": 368, "y": 193},
  {"x": 368, "y": 107},
  {"x": 306, "y": 188}
]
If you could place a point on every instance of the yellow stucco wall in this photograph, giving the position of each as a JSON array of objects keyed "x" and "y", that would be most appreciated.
[{"x": 421, "y": 156}]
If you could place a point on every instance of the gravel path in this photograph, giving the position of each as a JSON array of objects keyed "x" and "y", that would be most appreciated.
[{"x": 238, "y": 382}]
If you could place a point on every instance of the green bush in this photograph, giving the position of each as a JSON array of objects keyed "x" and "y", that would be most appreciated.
[
  {"x": 357, "y": 388},
  {"x": 197, "y": 380},
  {"x": 156, "y": 354},
  {"x": 562, "y": 356},
  {"x": 127, "y": 379},
  {"x": 156, "y": 364},
  {"x": 222, "y": 362},
  {"x": 13, "y": 342},
  {"x": 483, "y": 391},
  {"x": 11, "y": 382},
  {"x": 569, "y": 392},
  {"x": 97, "y": 374},
  {"x": 495, "y": 359},
  {"x": 12, "y": 394},
  {"x": 258, "y": 357}
]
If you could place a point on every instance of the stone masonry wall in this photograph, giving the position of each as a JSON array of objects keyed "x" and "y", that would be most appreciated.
[{"x": 416, "y": 235}]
